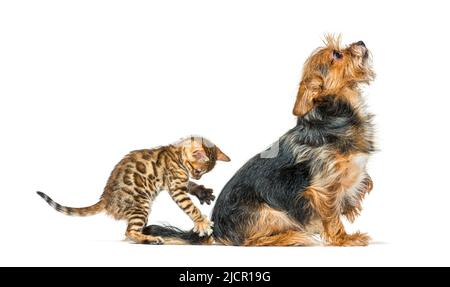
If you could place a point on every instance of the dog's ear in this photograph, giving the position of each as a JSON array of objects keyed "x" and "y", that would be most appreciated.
[{"x": 310, "y": 88}]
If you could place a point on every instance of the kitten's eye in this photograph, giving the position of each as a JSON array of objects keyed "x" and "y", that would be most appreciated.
[
  {"x": 199, "y": 155},
  {"x": 337, "y": 55}
]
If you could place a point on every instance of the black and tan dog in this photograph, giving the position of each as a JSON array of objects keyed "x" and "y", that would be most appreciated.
[{"x": 319, "y": 173}]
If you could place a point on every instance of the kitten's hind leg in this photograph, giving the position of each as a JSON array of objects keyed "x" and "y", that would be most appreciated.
[{"x": 136, "y": 223}]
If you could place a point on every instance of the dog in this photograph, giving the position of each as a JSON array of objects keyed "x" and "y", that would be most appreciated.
[{"x": 319, "y": 173}]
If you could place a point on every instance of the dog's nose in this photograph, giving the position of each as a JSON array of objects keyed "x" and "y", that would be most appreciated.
[{"x": 360, "y": 43}]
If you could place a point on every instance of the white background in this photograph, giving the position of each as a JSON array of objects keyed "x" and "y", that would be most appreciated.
[{"x": 84, "y": 82}]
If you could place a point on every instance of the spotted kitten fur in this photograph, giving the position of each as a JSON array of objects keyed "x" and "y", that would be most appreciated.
[{"x": 139, "y": 177}]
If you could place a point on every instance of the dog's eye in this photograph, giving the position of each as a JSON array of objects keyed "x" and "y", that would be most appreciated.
[{"x": 337, "y": 55}]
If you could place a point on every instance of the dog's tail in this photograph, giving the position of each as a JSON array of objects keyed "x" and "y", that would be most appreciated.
[
  {"x": 176, "y": 236},
  {"x": 83, "y": 211}
]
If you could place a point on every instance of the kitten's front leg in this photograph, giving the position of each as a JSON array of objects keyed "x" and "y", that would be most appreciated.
[
  {"x": 202, "y": 224},
  {"x": 201, "y": 192}
]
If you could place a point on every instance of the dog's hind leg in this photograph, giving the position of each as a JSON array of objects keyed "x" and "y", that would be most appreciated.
[
  {"x": 271, "y": 227},
  {"x": 287, "y": 238}
]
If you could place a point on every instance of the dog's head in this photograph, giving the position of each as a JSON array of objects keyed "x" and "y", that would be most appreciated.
[{"x": 332, "y": 70}]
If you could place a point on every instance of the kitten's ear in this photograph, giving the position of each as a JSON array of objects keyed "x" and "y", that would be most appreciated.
[
  {"x": 221, "y": 156},
  {"x": 200, "y": 154}
]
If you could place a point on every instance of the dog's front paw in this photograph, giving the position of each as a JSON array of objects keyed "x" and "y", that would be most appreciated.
[
  {"x": 203, "y": 194},
  {"x": 355, "y": 239},
  {"x": 204, "y": 227}
]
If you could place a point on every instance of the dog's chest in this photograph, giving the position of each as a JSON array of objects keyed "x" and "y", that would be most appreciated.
[{"x": 353, "y": 175}]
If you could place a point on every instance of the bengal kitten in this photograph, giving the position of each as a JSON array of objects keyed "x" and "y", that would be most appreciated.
[{"x": 139, "y": 177}]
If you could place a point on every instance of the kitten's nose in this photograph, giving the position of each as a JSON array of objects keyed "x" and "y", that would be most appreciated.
[{"x": 196, "y": 173}]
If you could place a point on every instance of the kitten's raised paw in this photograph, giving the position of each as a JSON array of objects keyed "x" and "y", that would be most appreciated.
[
  {"x": 204, "y": 227},
  {"x": 203, "y": 194}
]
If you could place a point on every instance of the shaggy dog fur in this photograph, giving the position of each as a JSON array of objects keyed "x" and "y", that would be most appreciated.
[{"x": 319, "y": 173}]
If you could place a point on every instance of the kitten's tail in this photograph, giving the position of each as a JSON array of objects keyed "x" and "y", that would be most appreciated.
[
  {"x": 173, "y": 235},
  {"x": 83, "y": 211}
]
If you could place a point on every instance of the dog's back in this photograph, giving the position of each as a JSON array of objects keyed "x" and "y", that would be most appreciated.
[{"x": 262, "y": 183}]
